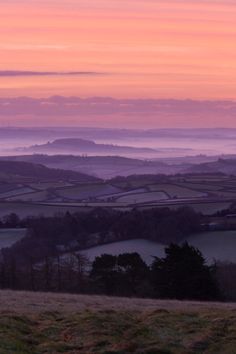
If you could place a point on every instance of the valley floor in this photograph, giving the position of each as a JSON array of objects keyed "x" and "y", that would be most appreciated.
[{"x": 35, "y": 323}]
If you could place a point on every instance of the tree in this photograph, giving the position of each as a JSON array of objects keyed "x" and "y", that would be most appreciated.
[
  {"x": 104, "y": 274},
  {"x": 12, "y": 220},
  {"x": 183, "y": 274},
  {"x": 134, "y": 274},
  {"x": 123, "y": 275}
]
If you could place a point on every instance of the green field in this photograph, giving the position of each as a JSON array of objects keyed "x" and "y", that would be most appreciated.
[{"x": 35, "y": 323}]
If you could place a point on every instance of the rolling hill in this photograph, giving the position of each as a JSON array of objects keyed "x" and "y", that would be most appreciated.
[
  {"x": 101, "y": 166},
  {"x": 21, "y": 170},
  {"x": 111, "y": 166},
  {"x": 227, "y": 166}
]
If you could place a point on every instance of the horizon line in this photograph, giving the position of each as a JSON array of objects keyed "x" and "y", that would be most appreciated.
[
  {"x": 187, "y": 99},
  {"x": 110, "y": 128}
]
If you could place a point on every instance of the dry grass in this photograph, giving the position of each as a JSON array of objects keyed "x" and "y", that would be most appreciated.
[
  {"x": 36, "y": 302},
  {"x": 40, "y": 323}
]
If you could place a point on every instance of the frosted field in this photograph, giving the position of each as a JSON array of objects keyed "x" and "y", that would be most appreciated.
[
  {"x": 200, "y": 186},
  {"x": 86, "y": 191},
  {"x": 121, "y": 194},
  {"x": 217, "y": 245},
  {"x": 6, "y": 187},
  {"x": 143, "y": 197},
  {"x": 16, "y": 192},
  {"x": 226, "y": 194},
  {"x": 48, "y": 185},
  {"x": 34, "y": 197},
  {"x": 10, "y": 236},
  {"x": 146, "y": 249},
  {"x": 24, "y": 209},
  {"x": 176, "y": 191}
]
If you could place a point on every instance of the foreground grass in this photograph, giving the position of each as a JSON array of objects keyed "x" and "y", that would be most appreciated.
[{"x": 142, "y": 328}]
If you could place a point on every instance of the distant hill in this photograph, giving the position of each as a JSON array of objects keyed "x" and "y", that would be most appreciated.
[
  {"x": 78, "y": 146},
  {"x": 107, "y": 167},
  {"x": 227, "y": 166},
  {"x": 73, "y": 160},
  {"x": 102, "y": 166},
  {"x": 14, "y": 170}
]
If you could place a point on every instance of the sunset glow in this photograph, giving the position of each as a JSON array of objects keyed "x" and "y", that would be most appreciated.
[{"x": 140, "y": 48}]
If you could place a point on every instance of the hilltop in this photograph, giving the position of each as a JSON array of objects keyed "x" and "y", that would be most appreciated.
[{"x": 78, "y": 145}]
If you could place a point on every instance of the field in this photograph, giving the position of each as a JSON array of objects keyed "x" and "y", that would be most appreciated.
[
  {"x": 115, "y": 196},
  {"x": 9, "y": 236},
  {"x": 143, "y": 197},
  {"x": 146, "y": 249},
  {"x": 31, "y": 197},
  {"x": 36, "y": 323},
  {"x": 176, "y": 191},
  {"x": 87, "y": 191},
  {"x": 200, "y": 186},
  {"x": 204, "y": 193},
  {"x": 16, "y": 192},
  {"x": 214, "y": 245},
  {"x": 24, "y": 209}
]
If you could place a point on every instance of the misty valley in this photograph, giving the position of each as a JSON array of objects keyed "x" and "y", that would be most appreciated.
[
  {"x": 117, "y": 177},
  {"x": 64, "y": 212}
]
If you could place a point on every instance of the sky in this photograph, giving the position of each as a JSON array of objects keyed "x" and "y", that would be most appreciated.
[{"x": 162, "y": 49}]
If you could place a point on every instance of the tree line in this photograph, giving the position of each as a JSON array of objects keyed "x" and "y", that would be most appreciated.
[
  {"x": 48, "y": 258},
  {"x": 181, "y": 274},
  {"x": 73, "y": 232}
]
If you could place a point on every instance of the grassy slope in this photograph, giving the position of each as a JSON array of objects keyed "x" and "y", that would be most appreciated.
[{"x": 50, "y": 323}]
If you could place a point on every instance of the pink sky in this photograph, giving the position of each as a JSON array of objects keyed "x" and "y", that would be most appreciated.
[
  {"x": 160, "y": 49},
  {"x": 141, "y": 48}
]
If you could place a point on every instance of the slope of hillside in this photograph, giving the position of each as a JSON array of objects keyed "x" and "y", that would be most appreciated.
[
  {"x": 227, "y": 166},
  {"x": 36, "y": 323},
  {"x": 110, "y": 166},
  {"x": 16, "y": 170},
  {"x": 102, "y": 166}
]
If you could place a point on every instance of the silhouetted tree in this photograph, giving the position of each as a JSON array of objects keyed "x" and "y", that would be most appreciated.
[
  {"x": 104, "y": 274},
  {"x": 126, "y": 274},
  {"x": 134, "y": 274},
  {"x": 183, "y": 274}
]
